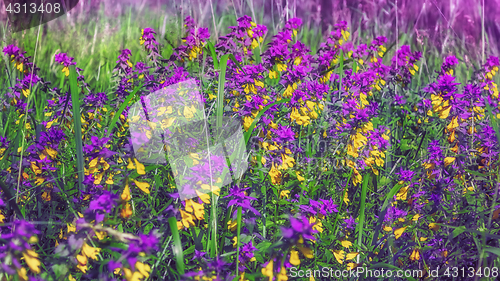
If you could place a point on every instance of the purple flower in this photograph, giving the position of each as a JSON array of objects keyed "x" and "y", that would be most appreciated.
[
  {"x": 64, "y": 59},
  {"x": 240, "y": 199},
  {"x": 405, "y": 175},
  {"x": 198, "y": 255},
  {"x": 148, "y": 39},
  {"x": 349, "y": 223},
  {"x": 11, "y": 51},
  {"x": 399, "y": 100},
  {"x": 448, "y": 63},
  {"x": 299, "y": 228},
  {"x": 102, "y": 205}
]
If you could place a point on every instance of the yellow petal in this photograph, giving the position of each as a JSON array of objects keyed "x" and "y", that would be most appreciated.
[
  {"x": 398, "y": 232},
  {"x": 204, "y": 197},
  {"x": 448, "y": 161},
  {"x": 90, "y": 251},
  {"x": 268, "y": 270},
  {"x": 130, "y": 165},
  {"x": 402, "y": 193},
  {"x": 140, "y": 167},
  {"x": 415, "y": 255},
  {"x": 308, "y": 253},
  {"x": 339, "y": 256},
  {"x": 294, "y": 258},
  {"x": 143, "y": 268},
  {"x": 433, "y": 226},
  {"x": 351, "y": 256},
  {"x": 71, "y": 227},
  {"x": 351, "y": 266},
  {"x": 23, "y": 274},
  {"x": 126, "y": 193},
  {"x": 31, "y": 258},
  {"x": 144, "y": 186},
  {"x": 346, "y": 243},
  {"x": 445, "y": 113}
]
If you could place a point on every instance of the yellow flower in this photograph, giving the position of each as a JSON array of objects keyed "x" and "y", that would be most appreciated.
[
  {"x": 398, "y": 232},
  {"x": 284, "y": 193},
  {"x": 445, "y": 113},
  {"x": 65, "y": 70},
  {"x": 294, "y": 257},
  {"x": 415, "y": 255},
  {"x": 273, "y": 74},
  {"x": 448, "y": 161},
  {"x": 268, "y": 270},
  {"x": 143, "y": 268},
  {"x": 90, "y": 252},
  {"x": 402, "y": 193},
  {"x": 31, "y": 258},
  {"x": 142, "y": 186},
  {"x": 82, "y": 263},
  {"x": 23, "y": 274},
  {"x": 140, "y": 167},
  {"x": 275, "y": 175},
  {"x": 351, "y": 266},
  {"x": 282, "y": 275},
  {"x": 189, "y": 111},
  {"x": 126, "y": 212},
  {"x": 132, "y": 276},
  {"x": 308, "y": 253},
  {"x": 247, "y": 122},
  {"x": 204, "y": 197},
  {"x": 434, "y": 226},
  {"x": 231, "y": 225},
  {"x": 255, "y": 44},
  {"x": 281, "y": 66},
  {"x": 187, "y": 219},
  {"x": 339, "y": 255},
  {"x": 126, "y": 193},
  {"x": 346, "y": 243},
  {"x": 318, "y": 225},
  {"x": 195, "y": 208}
]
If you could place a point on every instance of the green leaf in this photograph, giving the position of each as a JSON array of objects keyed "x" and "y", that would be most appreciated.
[
  {"x": 492, "y": 250},
  {"x": 457, "y": 231},
  {"x": 177, "y": 249},
  {"x": 211, "y": 49}
]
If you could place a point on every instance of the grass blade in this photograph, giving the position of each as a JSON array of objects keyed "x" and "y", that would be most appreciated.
[
  {"x": 238, "y": 233},
  {"x": 361, "y": 215},
  {"x": 383, "y": 210},
  {"x": 75, "y": 100},
  {"x": 210, "y": 47},
  {"x": 177, "y": 249},
  {"x": 112, "y": 124},
  {"x": 220, "y": 91},
  {"x": 248, "y": 134}
]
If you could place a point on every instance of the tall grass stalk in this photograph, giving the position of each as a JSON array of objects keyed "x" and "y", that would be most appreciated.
[{"x": 75, "y": 102}]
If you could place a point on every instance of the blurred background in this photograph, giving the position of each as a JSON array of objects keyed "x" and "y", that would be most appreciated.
[{"x": 95, "y": 30}]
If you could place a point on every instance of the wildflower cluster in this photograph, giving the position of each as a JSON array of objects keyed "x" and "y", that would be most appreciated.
[{"x": 352, "y": 162}]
